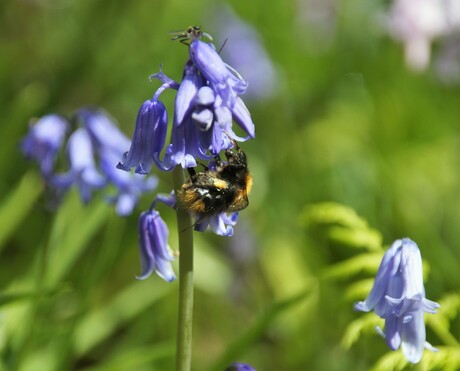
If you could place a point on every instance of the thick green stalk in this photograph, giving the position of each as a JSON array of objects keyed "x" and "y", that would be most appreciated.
[{"x": 185, "y": 318}]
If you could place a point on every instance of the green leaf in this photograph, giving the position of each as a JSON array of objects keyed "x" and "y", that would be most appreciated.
[
  {"x": 73, "y": 229},
  {"x": 257, "y": 329},
  {"x": 361, "y": 263},
  {"x": 130, "y": 302},
  {"x": 132, "y": 359},
  {"x": 365, "y": 324},
  {"x": 17, "y": 204}
]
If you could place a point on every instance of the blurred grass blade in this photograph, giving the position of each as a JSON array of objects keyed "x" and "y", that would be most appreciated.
[
  {"x": 362, "y": 263},
  {"x": 134, "y": 359},
  {"x": 255, "y": 331},
  {"x": 17, "y": 204},
  {"x": 130, "y": 302},
  {"x": 10, "y": 298},
  {"x": 73, "y": 229}
]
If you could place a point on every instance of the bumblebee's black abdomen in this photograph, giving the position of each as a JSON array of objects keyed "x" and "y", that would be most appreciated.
[
  {"x": 206, "y": 199},
  {"x": 223, "y": 188}
]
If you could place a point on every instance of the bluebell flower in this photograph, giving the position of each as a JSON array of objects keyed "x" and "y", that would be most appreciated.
[
  {"x": 148, "y": 138},
  {"x": 224, "y": 80},
  {"x": 44, "y": 140},
  {"x": 192, "y": 81},
  {"x": 206, "y": 104},
  {"x": 398, "y": 296},
  {"x": 93, "y": 150},
  {"x": 110, "y": 144},
  {"x": 129, "y": 187},
  {"x": 226, "y": 84},
  {"x": 221, "y": 224},
  {"x": 237, "y": 366},
  {"x": 103, "y": 131},
  {"x": 83, "y": 172},
  {"x": 153, "y": 243}
]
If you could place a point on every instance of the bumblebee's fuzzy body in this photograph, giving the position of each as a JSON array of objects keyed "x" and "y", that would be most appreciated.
[{"x": 224, "y": 188}]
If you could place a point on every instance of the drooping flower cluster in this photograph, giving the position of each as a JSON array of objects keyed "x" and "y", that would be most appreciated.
[
  {"x": 93, "y": 151},
  {"x": 206, "y": 104},
  {"x": 398, "y": 296}
]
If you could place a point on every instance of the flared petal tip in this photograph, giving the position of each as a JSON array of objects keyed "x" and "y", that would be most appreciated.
[
  {"x": 145, "y": 274},
  {"x": 361, "y": 306},
  {"x": 122, "y": 166}
]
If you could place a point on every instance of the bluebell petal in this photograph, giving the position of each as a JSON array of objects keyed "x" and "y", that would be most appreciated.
[
  {"x": 223, "y": 116},
  {"x": 125, "y": 204},
  {"x": 393, "y": 332},
  {"x": 243, "y": 118},
  {"x": 188, "y": 89},
  {"x": 103, "y": 130},
  {"x": 203, "y": 119},
  {"x": 205, "y": 96},
  {"x": 129, "y": 186},
  {"x": 148, "y": 138},
  {"x": 167, "y": 199},
  {"x": 221, "y": 224},
  {"x": 45, "y": 138},
  {"x": 210, "y": 64},
  {"x": 153, "y": 244},
  {"x": 83, "y": 171},
  {"x": 187, "y": 144},
  {"x": 237, "y": 366},
  {"x": 413, "y": 337}
]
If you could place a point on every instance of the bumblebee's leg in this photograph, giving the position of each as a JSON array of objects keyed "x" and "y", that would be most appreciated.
[
  {"x": 191, "y": 171},
  {"x": 218, "y": 159}
]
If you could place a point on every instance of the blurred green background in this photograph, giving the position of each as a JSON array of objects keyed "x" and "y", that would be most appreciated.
[{"x": 347, "y": 124}]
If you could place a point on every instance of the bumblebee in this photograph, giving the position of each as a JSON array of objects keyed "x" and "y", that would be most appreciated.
[{"x": 221, "y": 188}]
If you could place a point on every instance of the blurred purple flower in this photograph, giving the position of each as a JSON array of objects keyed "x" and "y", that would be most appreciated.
[
  {"x": 153, "y": 243},
  {"x": 417, "y": 23},
  {"x": 94, "y": 149},
  {"x": 398, "y": 296},
  {"x": 237, "y": 366},
  {"x": 244, "y": 46},
  {"x": 44, "y": 140},
  {"x": 83, "y": 172}
]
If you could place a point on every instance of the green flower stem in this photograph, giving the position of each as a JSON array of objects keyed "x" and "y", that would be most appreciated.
[{"x": 185, "y": 319}]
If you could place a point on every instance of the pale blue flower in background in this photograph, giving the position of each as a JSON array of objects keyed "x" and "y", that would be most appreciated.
[
  {"x": 245, "y": 51},
  {"x": 44, "y": 140},
  {"x": 93, "y": 150},
  {"x": 398, "y": 296},
  {"x": 418, "y": 23}
]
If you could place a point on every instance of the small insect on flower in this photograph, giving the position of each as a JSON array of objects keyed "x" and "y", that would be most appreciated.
[
  {"x": 224, "y": 187},
  {"x": 191, "y": 33}
]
